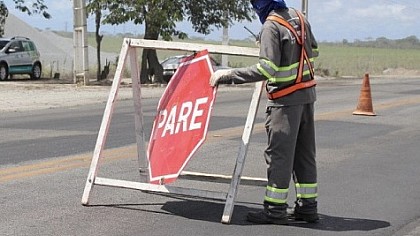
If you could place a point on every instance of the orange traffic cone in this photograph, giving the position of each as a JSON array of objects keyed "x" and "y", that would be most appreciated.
[{"x": 365, "y": 106}]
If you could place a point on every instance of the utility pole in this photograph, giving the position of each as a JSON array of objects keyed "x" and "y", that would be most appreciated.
[
  {"x": 81, "y": 64},
  {"x": 305, "y": 7}
]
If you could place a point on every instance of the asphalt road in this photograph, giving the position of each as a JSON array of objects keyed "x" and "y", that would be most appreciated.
[{"x": 368, "y": 169}]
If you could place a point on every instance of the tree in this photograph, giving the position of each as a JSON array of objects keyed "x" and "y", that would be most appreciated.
[
  {"x": 160, "y": 17},
  {"x": 36, "y": 7},
  {"x": 95, "y": 7},
  {"x": 409, "y": 42},
  {"x": 4, "y": 13}
]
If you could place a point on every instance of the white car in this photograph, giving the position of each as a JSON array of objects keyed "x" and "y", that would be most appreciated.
[{"x": 19, "y": 55}]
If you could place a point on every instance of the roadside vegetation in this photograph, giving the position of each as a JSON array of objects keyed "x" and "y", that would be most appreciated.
[
  {"x": 337, "y": 59},
  {"x": 372, "y": 55}
]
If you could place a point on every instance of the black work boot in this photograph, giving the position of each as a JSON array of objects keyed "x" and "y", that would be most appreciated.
[
  {"x": 306, "y": 210},
  {"x": 270, "y": 215}
]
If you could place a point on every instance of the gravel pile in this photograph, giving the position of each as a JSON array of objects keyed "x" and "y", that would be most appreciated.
[{"x": 56, "y": 51}]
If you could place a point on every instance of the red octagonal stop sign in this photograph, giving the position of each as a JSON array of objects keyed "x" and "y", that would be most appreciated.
[{"x": 182, "y": 119}]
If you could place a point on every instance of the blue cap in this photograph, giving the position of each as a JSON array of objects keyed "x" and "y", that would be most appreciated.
[{"x": 264, "y": 7}]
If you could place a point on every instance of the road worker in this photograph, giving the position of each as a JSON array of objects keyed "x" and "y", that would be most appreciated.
[{"x": 287, "y": 69}]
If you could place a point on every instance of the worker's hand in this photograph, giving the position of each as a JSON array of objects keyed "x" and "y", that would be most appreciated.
[{"x": 220, "y": 75}]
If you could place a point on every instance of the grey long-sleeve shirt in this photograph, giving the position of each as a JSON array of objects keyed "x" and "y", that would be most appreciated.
[{"x": 278, "y": 45}]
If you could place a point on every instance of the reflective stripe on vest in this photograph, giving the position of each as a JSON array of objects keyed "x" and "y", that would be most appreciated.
[
  {"x": 277, "y": 74},
  {"x": 307, "y": 190},
  {"x": 276, "y": 195},
  {"x": 302, "y": 67}
]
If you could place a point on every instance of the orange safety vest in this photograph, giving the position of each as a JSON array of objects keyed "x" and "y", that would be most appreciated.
[{"x": 303, "y": 57}]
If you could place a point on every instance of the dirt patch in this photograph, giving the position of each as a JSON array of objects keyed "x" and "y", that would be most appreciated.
[
  {"x": 401, "y": 72},
  {"x": 20, "y": 95}
]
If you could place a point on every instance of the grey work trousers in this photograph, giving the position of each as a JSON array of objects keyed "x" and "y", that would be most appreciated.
[{"x": 291, "y": 145}]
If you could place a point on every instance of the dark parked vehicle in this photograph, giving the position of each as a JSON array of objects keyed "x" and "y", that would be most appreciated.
[{"x": 170, "y": 65}]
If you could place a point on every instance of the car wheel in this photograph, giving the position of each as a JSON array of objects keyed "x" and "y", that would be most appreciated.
[
  {"x": 36, "y": 71},
  {"x": 4, "y": 73}
]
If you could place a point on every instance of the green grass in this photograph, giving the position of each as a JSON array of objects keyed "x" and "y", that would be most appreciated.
[
  {"x": 113, "y": 44},
  {"x": 355, "y": 61},
  {"x": 109, "y": 44},
  {"x": 334, "y": 60}
]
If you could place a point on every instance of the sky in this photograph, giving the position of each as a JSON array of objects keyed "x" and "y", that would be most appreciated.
[{"x": 331, "y": 20}]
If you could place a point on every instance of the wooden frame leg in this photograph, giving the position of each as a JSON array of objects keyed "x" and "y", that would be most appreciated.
[
  {"x": 243, "y": 149},
  {"x": 106, "y": 121}
]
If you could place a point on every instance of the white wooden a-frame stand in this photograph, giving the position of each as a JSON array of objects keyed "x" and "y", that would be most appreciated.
[{"x": 129, "y": 48}]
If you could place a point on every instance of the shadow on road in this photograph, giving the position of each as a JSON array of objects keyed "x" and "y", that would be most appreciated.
[
  {"x": 342, "y": 224},
  {"x": 212, "y": 212}
]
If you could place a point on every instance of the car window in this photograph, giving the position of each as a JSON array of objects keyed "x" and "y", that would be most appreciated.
[
  {"x": 28, "y": 46},
  {"x": 172, "y": 60},
  {"x": 17, "y": 45},
  {"x": 32, "y": 46},
  {"x": 3, "y": 43},
  {"x": 214, "y": 62}
]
